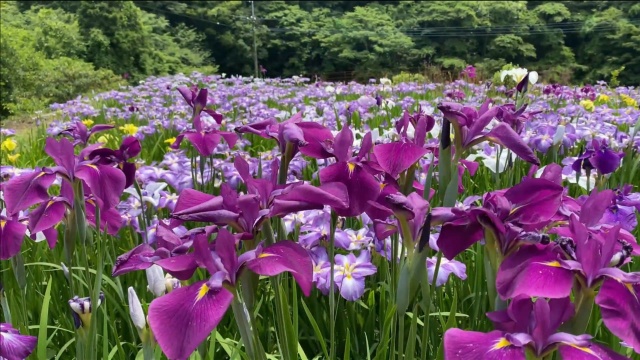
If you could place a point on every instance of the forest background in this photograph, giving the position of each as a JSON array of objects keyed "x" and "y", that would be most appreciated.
[{"x": 54, "y": 50}]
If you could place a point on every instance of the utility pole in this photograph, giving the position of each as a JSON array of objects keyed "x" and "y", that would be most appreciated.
[{"x": 255, "y": 44}]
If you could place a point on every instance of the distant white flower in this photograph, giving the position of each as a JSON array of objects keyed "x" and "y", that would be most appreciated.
[
  {"x": 385, "y": 81},
  {"x": 516, "y": 74},
  {"x": 491, "y": 160},
  {"x": 533, "y": 77}
]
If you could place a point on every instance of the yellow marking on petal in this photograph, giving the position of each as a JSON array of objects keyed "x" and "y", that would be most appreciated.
[
  {"x": 554, "y": 263},
  {"x": 382, "y": 185},
  {"x": 352, "y": 168},
  {"x": 3, "y": 223},
  {"x": 90, "y": 201},
  {"x": 264, "y": 255},
  {"x": 204, "y": 289},
  {"x": 50, "y": 203},
  {"x": 585, "y": 349},
  {"x": 502, "y": 343},
  {"x": 93, "y": 167}
]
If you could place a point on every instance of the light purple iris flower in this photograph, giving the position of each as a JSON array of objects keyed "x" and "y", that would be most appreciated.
[
  {"x": 447, "y": 267},
  {"x": 182, "y": 319},
  {"x": 14, "y": 345},
  {"x": 525, "y": 325},
  {"x": 350, "y": 273}
]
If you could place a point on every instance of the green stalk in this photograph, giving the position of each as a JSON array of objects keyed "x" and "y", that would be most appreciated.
[
  {"x": 332, "y": 290},
  {"x": 243, "y": 320},
  {"x": 584, "y": 300}
]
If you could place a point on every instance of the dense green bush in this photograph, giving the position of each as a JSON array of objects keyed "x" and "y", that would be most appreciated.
[
  {"x": 36, "y": 68},
  {"x": 407, "y": 77}
]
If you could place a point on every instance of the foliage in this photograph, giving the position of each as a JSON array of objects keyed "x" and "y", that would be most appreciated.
[{"x": 406, "y": 77}]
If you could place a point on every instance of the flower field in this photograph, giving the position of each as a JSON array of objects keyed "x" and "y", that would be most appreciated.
[{"x": 208, "y": 217}]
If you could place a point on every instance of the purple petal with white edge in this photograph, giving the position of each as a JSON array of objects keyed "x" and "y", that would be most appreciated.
[
  {"x": 183, "y": 318},
  {"x": 533, "y": 270},
  {"x": 14, "y": 345},
  {"x": 106, "y": 183},
  {"x": 397, "y": 157},
  {"x": 447, "y": 267},
  {"x": 620, "y": 308},
  {"x": 46, "y": 215},
  {"x": 285, "y": 256},
  {"x": 26, "y": 190},
  {"x": 472, "y": 345},
  {"x": 504, "y": 135},
  {"x": 591, "y": 352},
  {"x": 12, "y": 234},
  {"x": 351, "y": 288}
]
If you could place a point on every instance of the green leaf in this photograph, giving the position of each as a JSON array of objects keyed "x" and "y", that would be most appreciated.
[{"x": 44, "y": 319}]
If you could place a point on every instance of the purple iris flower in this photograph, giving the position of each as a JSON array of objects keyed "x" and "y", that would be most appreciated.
[
  {"x": 354, "y": 172},
  {"x": 171, "y": 253},
  {"x": 321, "y": 268},
  {"x": 350, "y": 272},
  {"x": 396, "y": 157},
  {"x": 447, "y": 267},
  {"x": 265, "y": 199},
  {"x": 204, "y": 139},
  {"x": 182, "y": 319},
  {"x": 305, "y": 136},
  {"x": 14, "y": 345},
  {"x": 592, "y": 259},
  {"x": 81, "y": 134},
  {"x": 511, "y": 215},
  {"x": 101, "y": 187},
  {"x": 470, "y": 127},
  {"x": 129, "y": 149},
  {"x": 600, "y": 157},
  {"x": 525, "y": 325}
]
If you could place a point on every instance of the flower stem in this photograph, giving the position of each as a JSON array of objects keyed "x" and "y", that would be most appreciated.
[{"x": 332, "y": 287}]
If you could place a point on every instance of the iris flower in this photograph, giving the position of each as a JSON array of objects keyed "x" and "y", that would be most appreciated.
[
  {"x": 470, "y": 124},
  {"x": 81, "y": 134},
  {"x": 525, "y": 328},
  {"x": 182, "y": 319},
  {"x": 354, "y": 172},
  {"x": 510, "y": 215},
  {"x": 14, "y": 345},
  {"x": 204, "y": 138},
  {"x": 591, "y": 259},
  {"x": 305, "y": 136}
]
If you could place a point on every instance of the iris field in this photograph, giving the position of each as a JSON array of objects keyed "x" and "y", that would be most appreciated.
[{"x": 248, "y": 218}]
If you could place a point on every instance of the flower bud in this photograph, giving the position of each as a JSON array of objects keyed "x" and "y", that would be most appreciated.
[
  {"x": 135, "y": 310},
  {"x": 171, "y": 283},
  {"x": 155, "y": 280},
  {"x": 82, "y": 309},
  {"x": 65, "y": 271}
]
